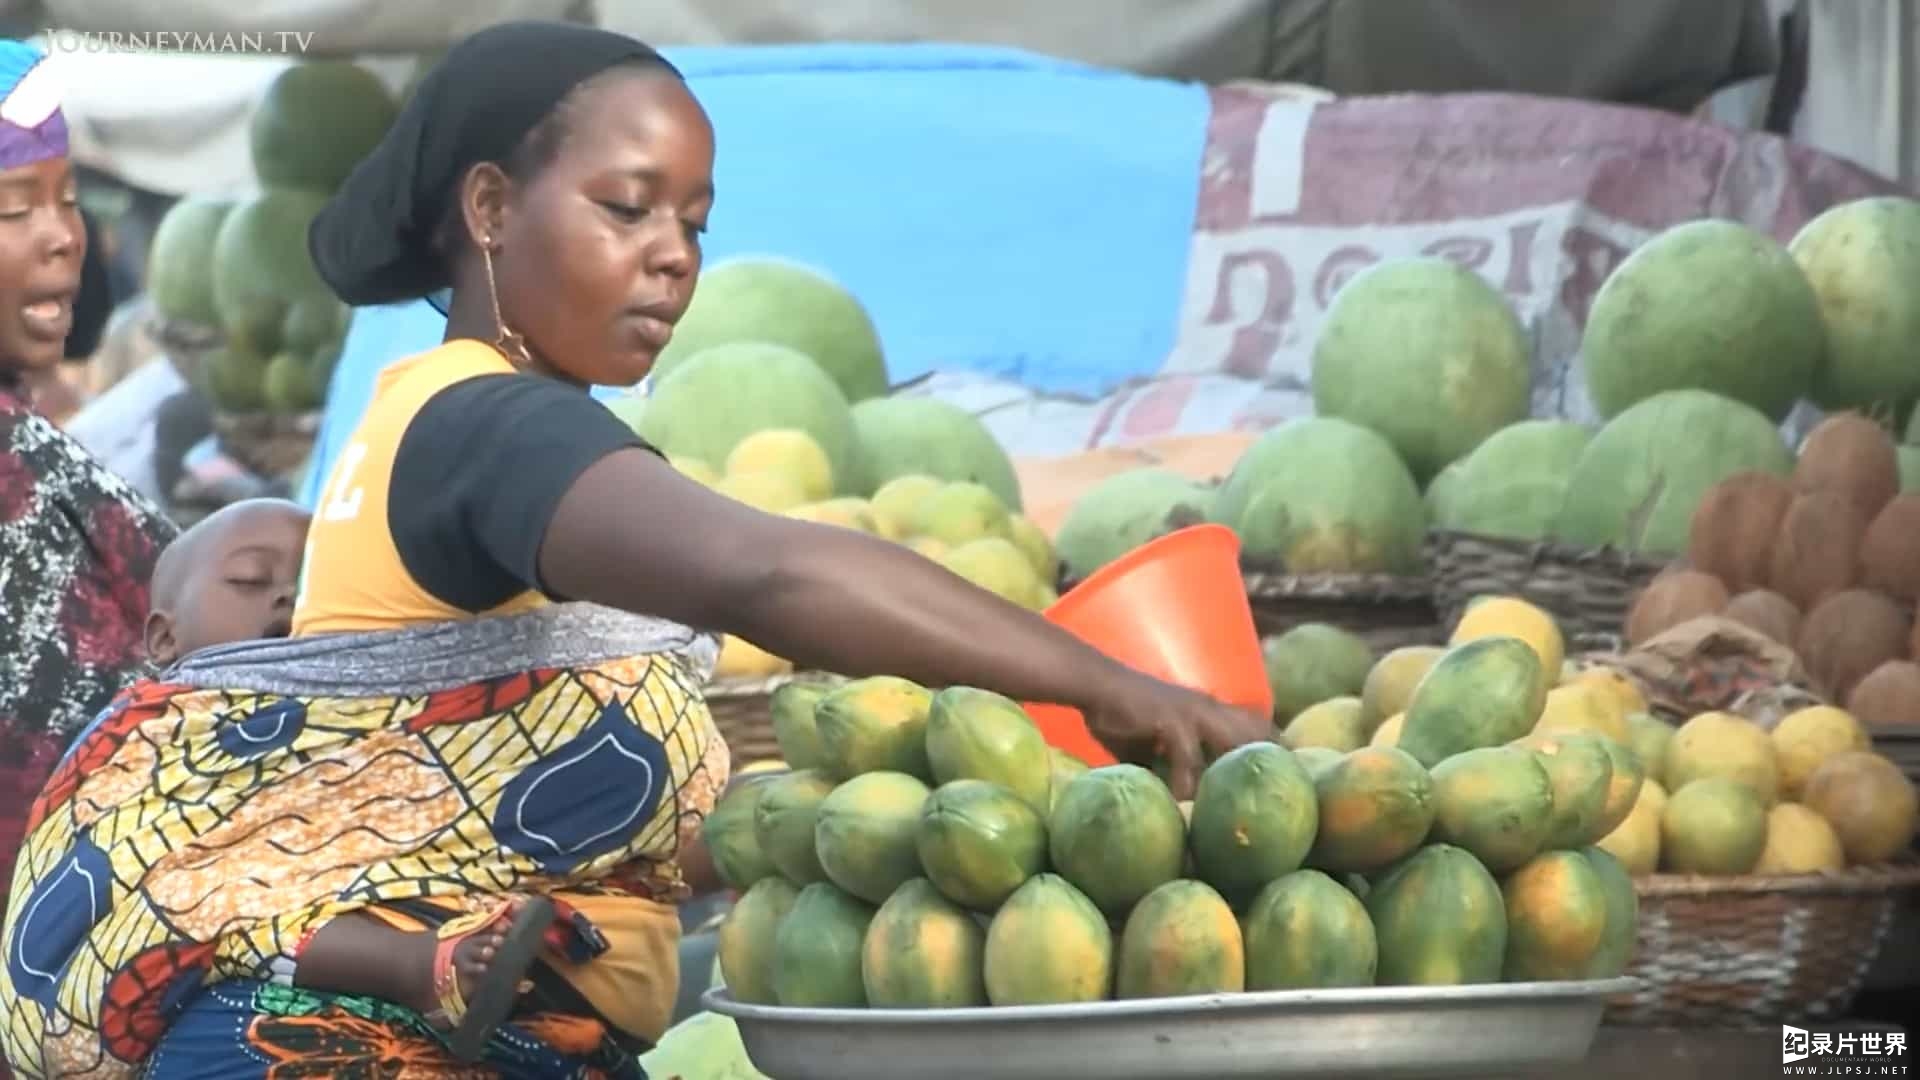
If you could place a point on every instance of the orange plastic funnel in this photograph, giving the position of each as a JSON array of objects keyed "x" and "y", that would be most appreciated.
[{"x": 1175, "y": 608}]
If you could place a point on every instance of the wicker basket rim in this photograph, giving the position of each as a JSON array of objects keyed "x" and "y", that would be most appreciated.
[
  {"x": 1535, "y": 550},
  {"x": 749, "y": 688},
  {"x": 1853, "y": 881},
  {"x": 1271, "y": 584},
  {"x": 1371, "y": 588}
]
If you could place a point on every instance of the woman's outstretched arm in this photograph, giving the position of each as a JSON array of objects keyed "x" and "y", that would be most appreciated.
[{"x": 632, "y": 533}]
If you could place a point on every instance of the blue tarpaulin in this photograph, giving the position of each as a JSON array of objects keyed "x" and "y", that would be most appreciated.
[{"x": 997, "y": 211}]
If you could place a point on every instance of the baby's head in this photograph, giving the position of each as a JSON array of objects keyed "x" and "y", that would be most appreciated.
[{"x": 229, "y": 578}]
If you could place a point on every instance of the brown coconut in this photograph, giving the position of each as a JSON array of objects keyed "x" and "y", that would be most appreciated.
[
  {"x": 1767, "y": 612},
  {"x": 1733, "y": 528},
  {"x": 1889, "y": 696},
  {"x": 1817, "y": 550},
  {"x": 1854, "y": 456},
  {"x": 1671, "y": 599},
  {"x": 1849, "y": 634},
  {"x": 1890, "y": 553}
]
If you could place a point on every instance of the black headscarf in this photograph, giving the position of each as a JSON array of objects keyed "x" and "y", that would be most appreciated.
[{"x": 373, "y": 241}]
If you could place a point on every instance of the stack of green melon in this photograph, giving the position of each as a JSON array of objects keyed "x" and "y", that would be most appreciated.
[
  {"x": 1697, "y": 347},
  {"x": 930, "y": 851},
  {"x": 771, "y": 343},
  {"x": 241, "y": 267}
]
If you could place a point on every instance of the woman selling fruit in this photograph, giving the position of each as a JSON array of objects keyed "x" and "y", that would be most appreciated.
[
  {"x": 444, "y": 738},
  {"x": 76, "y": 543}
]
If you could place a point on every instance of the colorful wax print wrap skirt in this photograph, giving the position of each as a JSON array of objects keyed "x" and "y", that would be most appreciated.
[{"x": 188, "y": 847}]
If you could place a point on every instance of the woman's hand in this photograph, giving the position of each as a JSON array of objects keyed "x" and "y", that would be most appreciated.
[{"x": 1141, "y": 719}]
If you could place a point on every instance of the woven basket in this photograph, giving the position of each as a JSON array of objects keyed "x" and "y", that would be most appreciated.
[
  {"x": 1385, "y": 610},
  {"x": 269, "y": 444},
  {"x": 1746, "y": 952},
  {"x": 741, "y": 709},
  {"x": 1903, "y": 749},
  {"x": 1587, "y": 591}
]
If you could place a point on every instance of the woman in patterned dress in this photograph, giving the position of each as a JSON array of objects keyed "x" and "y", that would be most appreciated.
[
  {"x": 448, "y": 739},
  {"x": 76, "y": 542}
]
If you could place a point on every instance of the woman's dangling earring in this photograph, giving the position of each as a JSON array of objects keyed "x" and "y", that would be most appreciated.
[{"x": 509, "y": 342}]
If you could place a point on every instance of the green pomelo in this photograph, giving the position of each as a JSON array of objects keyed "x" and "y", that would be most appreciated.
[
  {"x": 1713, "y": 826},
  {"x": 1322, "y": 495},
  {"x": 1181, "y": 939},
  {"x": 876, "y": 724},
  {"x": 907, "y": 436},
  {"x": 782, "y": 302},
  {"x": 792, "y": 706},
  {"x": 1530, "y": 449},
  {"x": 979, "y": 735},
  {"x": 317, "y": 120},
  {"x": 1441, "y": 493},
  {"x": 746, "y": 940},
  {"x": 1048, "y": 945},
  {"x": 1426, "y": 353},
  {"x": 1862, "y": 259},
  {"x": 1521, "y": 510},
  {"x": 864, "y": 833},
  {"x": 1648, "y": 737},
  {"x": 704, "y": 407},
  {"x": 1513, "y": 485},
  {"x": 1711, "y": 306},
  {"x": 1124, "y": 511},
  {"x": 1312, "y": 663},
  {"x": 922, "y": 952},
  {"x": 817, "y": 951},
  {"x": 978, "y": 842},
  {"x": 1637, "y": 484},
  {"x": 1111, "y": 802},
  {"x": 1254, "y": 817},
  {"x": 1483, "y": 692},
  {"x": 1496, "y": 803},
  {"x": 180, "y": 260},
  {"x": 1439, "y": 919},
  {"x": 261, "y": 266},
  {"x": 729, "y": 835},
  {"x": 1305, "y": 931}
]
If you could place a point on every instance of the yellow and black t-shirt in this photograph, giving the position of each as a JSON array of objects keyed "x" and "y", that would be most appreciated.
[{"x": 437, "y": 506}]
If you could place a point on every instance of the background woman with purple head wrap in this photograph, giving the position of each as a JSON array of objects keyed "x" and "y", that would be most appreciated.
[{"x": 76, "y": 543}]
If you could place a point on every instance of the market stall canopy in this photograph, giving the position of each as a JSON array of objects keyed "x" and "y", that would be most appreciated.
[
  {"x": 311, "y": 27},
  {"x": 1665, "y": 53}
]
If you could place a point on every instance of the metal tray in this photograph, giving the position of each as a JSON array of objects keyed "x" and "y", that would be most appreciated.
[{"x": 1377, "y": 1032}]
